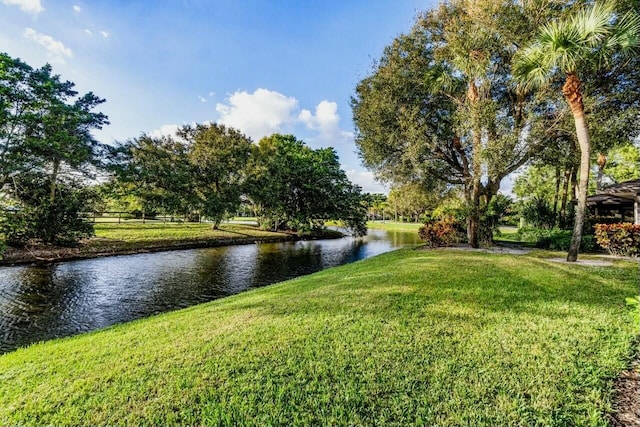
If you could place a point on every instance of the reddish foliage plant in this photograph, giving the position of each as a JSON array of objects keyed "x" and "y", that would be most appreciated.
[
  {"x": 619, "y": 239},
  {"x": 439, "y": 233}
]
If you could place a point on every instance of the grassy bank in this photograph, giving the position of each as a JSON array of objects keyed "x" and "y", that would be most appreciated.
[
  {"x": 407, "y": 338},
  {"x": 114, "y": 238},
  {"x": 392, "y": 225},
  {"x": 171, "y": 232}
]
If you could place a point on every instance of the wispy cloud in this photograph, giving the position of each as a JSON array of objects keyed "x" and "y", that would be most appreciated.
[
  {"x": 202, "y": 99},
  {"x": 29, "y": 6},
  {"x": 55, "y": 48},
  {"x": 76, "y": 8},
  {"x": 104, "y": 34},
  {"x": 88, "y": 31}
]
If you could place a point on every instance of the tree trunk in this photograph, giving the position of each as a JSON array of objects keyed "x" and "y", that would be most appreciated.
[
  {"x": 602, "y": 161},
  {"x": 572, "y": 92},
  {"x": 54, "y": 178},
  {"x": 472, "y": 197},
  {"x": 556, "y": 196},
  {"x": 473, "y": 230},
  {"x": 565, "y": 194}
]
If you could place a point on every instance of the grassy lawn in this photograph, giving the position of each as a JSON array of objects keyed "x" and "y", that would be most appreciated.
[
  {"x": 392, "y": 225},
  {"x": 407, "y": 338},
  {"x": 137, "y": 232}
]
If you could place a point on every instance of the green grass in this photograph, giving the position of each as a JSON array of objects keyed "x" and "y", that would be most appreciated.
[
  {"x": 407, "y": 338},
  {"x": 392, "y": 225},
  {"x": 173, "y": 231}
]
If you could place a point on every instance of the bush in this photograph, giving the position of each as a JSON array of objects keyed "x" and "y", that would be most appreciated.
[
  {"x": 619, "y": 239},
  {"x": 554, "y": 239},
  {"x": 39, "y": 220},
  {"x": 439, "y": 233},
  {"x": 538, "y": 213}
]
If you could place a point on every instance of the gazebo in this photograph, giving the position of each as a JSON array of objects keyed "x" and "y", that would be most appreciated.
[{"x": 619, "y": 200}]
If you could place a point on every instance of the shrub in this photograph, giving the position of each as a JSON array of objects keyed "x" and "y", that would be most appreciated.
[
  {"x": 554, "y": 239},
  {"x": 619, "y": 239},
  {"x": 538, "y": 213},
  {"x": 38, "y": 219},
  {"x": 439, "y": 233}
]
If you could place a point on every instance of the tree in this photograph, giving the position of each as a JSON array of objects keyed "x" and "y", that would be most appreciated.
[
  {"x": 201, "y": 171},
  {"x": 156, "y": 171},
  {"x": 624, "y": 163},
  {"x": 218, "y": 156},
  {"x": 441, "y": 104},
  {"x": 294, "y": 187},
  {"x": 17, "y": 101},
  {"x": 45, "y": 128},
  {"x": 412, "y": 201},
  {"x": 375, "y": 204},
  {"x": 584, "y": 41},
  {"x": 44, "y": 124},
  {"x": 36, "y": 218}
]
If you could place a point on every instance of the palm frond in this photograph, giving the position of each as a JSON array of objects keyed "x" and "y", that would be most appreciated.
[
  {"x": 626, "y": 35},
  {"x": 594, "y": 25},
  {"x": 561, "y": 43},
  {"x": 532, "y": 67}
]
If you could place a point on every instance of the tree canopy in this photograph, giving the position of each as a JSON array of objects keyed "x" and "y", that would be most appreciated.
[
  {"x": 45, "y": 129},
  {"x": 295, "y": 187},
  {"x": 441, "y": 104},
  {"x": 44, "y": 123}
]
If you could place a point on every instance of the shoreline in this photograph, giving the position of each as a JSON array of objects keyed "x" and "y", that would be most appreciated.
[{"x": 43, "y": 255}]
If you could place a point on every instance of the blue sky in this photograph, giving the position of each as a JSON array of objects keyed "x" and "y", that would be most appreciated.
[{"x": 261, "y": 66}]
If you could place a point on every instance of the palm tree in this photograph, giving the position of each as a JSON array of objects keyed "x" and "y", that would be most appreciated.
[{"x": 585, "y": 41}]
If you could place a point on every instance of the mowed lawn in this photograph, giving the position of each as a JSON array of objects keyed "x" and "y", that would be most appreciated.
[
  {"x": 412, "y": 337},
  {"x": 395, "y": 226},
  {"x": 157, "y": 231}
]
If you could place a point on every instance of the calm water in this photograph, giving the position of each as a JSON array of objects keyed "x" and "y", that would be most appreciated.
[{"x": 42, "y": 302}]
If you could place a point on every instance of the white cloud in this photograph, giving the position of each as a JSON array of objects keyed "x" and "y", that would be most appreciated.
[
  {"x": 326, "y": 121},
  {"x": 104, "y": 34},
  {"x": 257, "y": 114},
  {"x": 88, "y": 31},
  {"x": 212, "y": 94},
  {"x": 29, "y": 6},
  {"x": 171, "y": 130},
  {"x": 326, "y": 118},
  {"x": 55, "y": 48},
  {"x": 366, "y": 180},
  {"x": 76, "y": 8},
  {"x": 164, "y": 130},
  {"x": 202, "y": 99}
]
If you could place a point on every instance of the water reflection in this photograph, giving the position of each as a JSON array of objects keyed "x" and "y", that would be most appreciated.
[{"x": 43, "y": 302}]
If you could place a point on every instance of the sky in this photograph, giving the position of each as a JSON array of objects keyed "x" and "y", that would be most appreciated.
[{"x": 287, "y": 66}]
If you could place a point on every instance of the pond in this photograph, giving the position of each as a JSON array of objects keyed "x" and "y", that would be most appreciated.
[{"x": 39, "y": 303}]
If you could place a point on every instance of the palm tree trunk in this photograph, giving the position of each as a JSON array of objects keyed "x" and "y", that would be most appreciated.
[{"x": 572, "y": 92}]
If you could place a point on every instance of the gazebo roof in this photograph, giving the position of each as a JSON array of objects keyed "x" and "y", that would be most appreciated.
[
  {"x": 626, "y": 190},
  {"x": 608, "y": 199}
]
